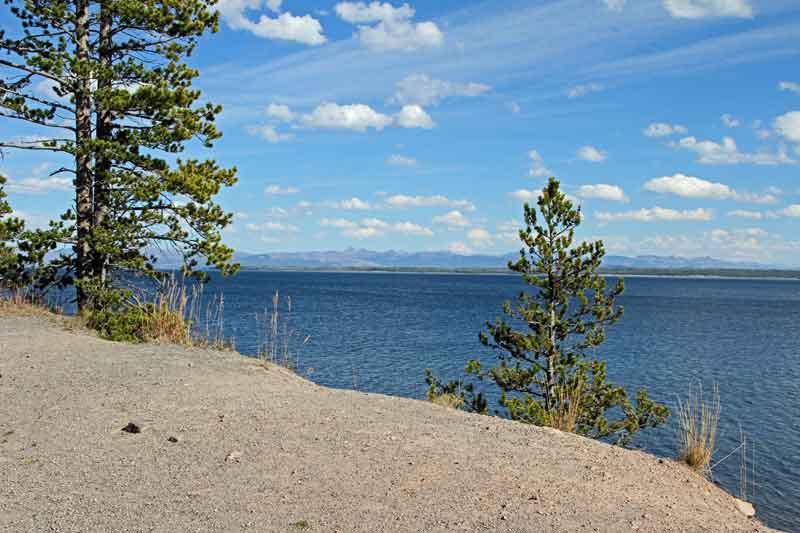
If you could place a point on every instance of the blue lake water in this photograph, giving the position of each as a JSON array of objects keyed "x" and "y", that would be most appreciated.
[{"x": 378, "y": 332}]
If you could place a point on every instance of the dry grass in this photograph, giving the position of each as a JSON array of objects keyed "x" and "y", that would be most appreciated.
[
  {"x": 278, "y": 343},
  {"x": 453, "y": 401},
  {"x": 564, "y": 417},
  {"x": 697, "y": 422},
  {"x": 18, "y": 303}
]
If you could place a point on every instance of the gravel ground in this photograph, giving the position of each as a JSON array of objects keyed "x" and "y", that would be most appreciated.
[{"x": 228, "y": 445}]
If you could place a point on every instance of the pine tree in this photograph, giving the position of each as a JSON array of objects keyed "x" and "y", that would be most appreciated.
[
  {"x": 10, "y": 229},
  {"x": 545, "y": 374},
  {"x": 109, "y": 78}
]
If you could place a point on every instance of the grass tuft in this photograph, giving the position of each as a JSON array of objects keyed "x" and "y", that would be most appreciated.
[
  {"x": 697, "y": 422},
  {"x": 453, "y": 401}
]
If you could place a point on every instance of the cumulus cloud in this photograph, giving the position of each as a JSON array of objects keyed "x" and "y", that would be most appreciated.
[
  {"x": 792, "y": 211},
  {"x": 423, "y": 90},
  {"x": 354, "y": 117},
  {"x": 280, "y": 112},
  {"x": 413, "y": 116},
  {"x": 603, "y": 191},
  {"x": 692, "y": 187},
  {"x": 593, "y": 154},
  {"x": 538, "y": 168},
  {"x": 744, "y": 213},
  {"x": 727, "y": 153},
  {"x": 789, "y": 86},
  {"x": 351, "y": 204},
  {"x": 453, "y": 219},
  {"x": 273, "y": 190},
  {"x": 375, "y": 227},
  {"x": 480, "y": 237},
  {"x": 39, "y": 182},
  {"x": 272, "y": 226},
  {"x": 664, "y": 129},
  {"x": 525, "y": 195},
  {"x": 391, "y": 27},
  {"x": 302, "y": 29},
  {"x": 788, "y": 126},
  {"x": 655, "y": 214},
  {"x": 401, "y": 161},
  {"x": 730, "y": 121},
  {"x": 405, "y": 201},
  {"x": 697, "y": 9},
  {"x": 459, "y": 248},
  {"x": 269, "y": 133},
  {"x": 340, "y": 223},
  {"x": 582, "y": 90}
]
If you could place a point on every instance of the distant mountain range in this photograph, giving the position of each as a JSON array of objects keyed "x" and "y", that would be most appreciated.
[{"x": 360, "y": 258}]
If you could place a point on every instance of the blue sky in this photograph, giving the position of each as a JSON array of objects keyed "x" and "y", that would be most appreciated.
[{"x": 425, "y": 126}]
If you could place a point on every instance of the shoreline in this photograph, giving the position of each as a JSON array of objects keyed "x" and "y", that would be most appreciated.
[{"x": 260, "y": 449}]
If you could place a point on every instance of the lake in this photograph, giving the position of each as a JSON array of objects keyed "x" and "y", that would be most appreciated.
[{"x": 378, "y": 332}]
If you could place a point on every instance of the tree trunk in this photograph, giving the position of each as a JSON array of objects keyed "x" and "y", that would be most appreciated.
[
  {"x": 83, "y": 157},
  {"x": 551, "y": 361},
  {"x": 103, "y": 131}
]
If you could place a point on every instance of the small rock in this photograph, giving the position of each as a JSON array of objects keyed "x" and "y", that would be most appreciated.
[
  {"x": 132, "y": 428},
  {"x": 234, "y": 457},
  {"x": 173, "y": 438},
  {"x": 746, "y": 508}
]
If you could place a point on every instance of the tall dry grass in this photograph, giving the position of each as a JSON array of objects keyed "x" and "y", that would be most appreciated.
[
  {"x": 23, "y": 303},
  {"x": 698, "y": 420},
  {"x": 564, "y": 416},
  {"x": 277, "y": 345}
]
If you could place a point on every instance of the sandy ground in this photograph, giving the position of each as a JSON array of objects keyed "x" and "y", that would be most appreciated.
[{"x": 263, "y": 450}]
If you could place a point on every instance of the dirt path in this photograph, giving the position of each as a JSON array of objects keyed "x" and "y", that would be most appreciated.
[{"x": 263, "y": 450}]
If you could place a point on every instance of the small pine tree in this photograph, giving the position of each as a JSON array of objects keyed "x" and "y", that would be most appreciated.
[
  {"x": 544, "y": 374},
  {"x": 10, "y": 229}
]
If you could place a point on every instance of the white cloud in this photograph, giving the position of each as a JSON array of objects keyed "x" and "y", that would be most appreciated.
[
  {"x": 355, "y": 117},
  {"x": 409, "y": 228},
  {"x": 744, "y": 213},
  {"x": 352, "y": 204},
  {"x": 730, "y": 121},
  {"x": 790, "y": 211},
  {"x": 789, "y": 86},
  {"x": 38, "y": 182},
  {"x": 375, "y": 223},
  {"x": 538, "y": 168},
  {"x": 656, "y": 214},
  {"x": 413, "y": 116},
  {"x": 272, "y": 226},
  {"x": 269, "y": 133},
  {"x": 453, "y": 219},
  {"x": 302, "y": 29},
  {"x": 593, "y": 154},
  {"x": 34, "y": 185},
  {"x": 692, "y": 187},
  {"x": 271, "y": 190},
  {"x": 663, "y": 129},
  {"x": 274, "y": 5},
  {"x": 615, "y": 5},
  {"x": 401, "y": 161},
  {"x": 727, "y": 153},
  {"x": 341, "y": 223},
  {"x": 696, "y": 9},
  {"x": 788, "y": 126},
  {"x": 405, "y": 201},
  {"x": 459, "y": 248},
  {"x": 526, "y": 195},
  {"x": 423, "y": 90},
  {"x": 280, "y": 112},
  {"x": 479, "y": 237},
  {"x": 582, "y": 90},
  {"x": 514, "y": 107},
  {"x": 392, "y": 29},
  {"x": 362, "y": 233},
  {"x": 603, "y": 191}
]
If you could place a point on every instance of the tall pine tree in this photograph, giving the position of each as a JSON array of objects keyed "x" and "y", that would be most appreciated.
[
  {"x": 545, "y": 374},
  {"x": 108, "y": 78}
]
